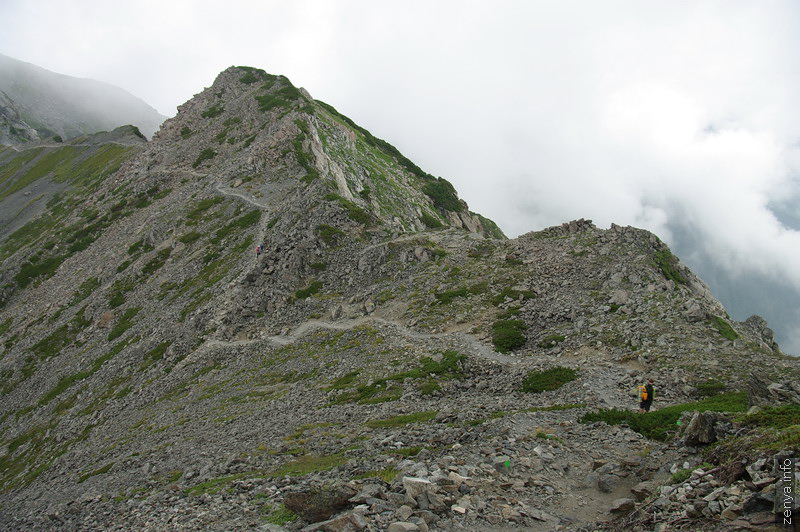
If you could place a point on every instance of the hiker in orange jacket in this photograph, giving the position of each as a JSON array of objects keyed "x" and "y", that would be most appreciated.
[{"x": 646, "y": 394}]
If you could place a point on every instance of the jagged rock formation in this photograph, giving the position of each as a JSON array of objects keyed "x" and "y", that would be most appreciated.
[
  {"x": 365, "y": 369},
  {"x": 36, "y": 104}
]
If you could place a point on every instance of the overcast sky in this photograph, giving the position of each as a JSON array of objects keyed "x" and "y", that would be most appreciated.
[{"x": 681, "y": 117}]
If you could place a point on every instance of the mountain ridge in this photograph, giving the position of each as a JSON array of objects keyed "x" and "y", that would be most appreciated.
[{"x": 152, "y": 361}]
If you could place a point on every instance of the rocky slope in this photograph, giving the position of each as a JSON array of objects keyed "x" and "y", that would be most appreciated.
[
  {"x": 38, "y": 104},
  {"x": 365, "y": 372}
]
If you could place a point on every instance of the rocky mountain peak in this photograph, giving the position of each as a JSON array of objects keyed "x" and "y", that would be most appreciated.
[{"x": 258, "y": 131}]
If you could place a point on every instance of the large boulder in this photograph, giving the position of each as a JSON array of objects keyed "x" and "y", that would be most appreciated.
[{"x": 704, "y": 428}]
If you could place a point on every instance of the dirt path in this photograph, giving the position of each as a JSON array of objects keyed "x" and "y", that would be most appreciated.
[
  {"x": 475, "y": 346},
  {"x": 228, "y": 192}
]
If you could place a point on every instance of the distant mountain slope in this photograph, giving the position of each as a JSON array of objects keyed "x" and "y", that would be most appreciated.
[{"x": 33, "y": 98}]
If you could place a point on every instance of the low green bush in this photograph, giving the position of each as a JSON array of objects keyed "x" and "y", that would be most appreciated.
[
  {"x": 125, "y": 322},
  {"x": 430, "y": 222},
  {"x": 778, "y": 417},
  {"x": 448, "y": 296},
  {"x": 35, "y": 271},
  {"x": 211, "y": 112},
  {"x": 329, "y": 234},
  {"x": 443, "y": 195},
  {"x": 508, "y": 335},
  {"x": 238, "y": 225},
  {"x": 205, "y": 155},
  {"x": 308, "y": 291},
  {"x": 202, "y": 206},
  {"x": 547, "y": 380},
  {"x": 668, "y": 264},
  {"x": 190, "y": 237}
]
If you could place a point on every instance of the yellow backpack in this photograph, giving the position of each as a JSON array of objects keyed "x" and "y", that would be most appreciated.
[{"x": 643, "y": 392}]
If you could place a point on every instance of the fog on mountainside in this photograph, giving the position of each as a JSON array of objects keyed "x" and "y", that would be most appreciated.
[
  {"x": 749, "y": 294},
  {"x": 56, "y": 104}
]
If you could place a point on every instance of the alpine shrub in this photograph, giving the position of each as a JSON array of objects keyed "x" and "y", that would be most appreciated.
[
  {"x": 547, "y": 380},
  {"x": 507, "y": 335}
]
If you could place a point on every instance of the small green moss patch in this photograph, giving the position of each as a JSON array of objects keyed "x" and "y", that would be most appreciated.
[{"x": 547, "y": 380}]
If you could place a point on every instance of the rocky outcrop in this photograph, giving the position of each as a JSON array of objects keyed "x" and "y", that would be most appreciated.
[
  {"x": 763, "y": 392},
  {"x": 13, "y": 129},
  {"x": 704, "y": 428}
]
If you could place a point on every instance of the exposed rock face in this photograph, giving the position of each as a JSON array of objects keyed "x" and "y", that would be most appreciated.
[
  {"x": 763, "y": 392},
  {"x": 13, "y": 129},
  {"x": 158, "y": 374}
]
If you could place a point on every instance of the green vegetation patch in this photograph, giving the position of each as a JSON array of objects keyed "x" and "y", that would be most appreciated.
[
  {"x": 443, "y": 195},
  {"x": 449, "y": 366},
  {"x": 777, "y": 417},
  {"x": 204, "y": 155},
  {"x": 710, "y": 388},
  {"x": 214, "y": 110},
  {"x": 309, "y": 291},
  {"x": 510, "y": 293},
  {"x": 356, "y": 213},
  {"x": 125, "y": 322},
  {"x": 551, "y": 340},
  {"x": 401, "y": 421},
  {"x": 139, "y": 247},
  {"x": 239, "y": 224},
  {"x": 378, "y": 143},
  {"x": 329, "y": 234},
  {"x": 490, "y": 227},
  {"x": 65, "y": 382},
  {"x": 449, "y": 295},
  {"x": 660, "y": 424},
  {"x": 186, "y": 132},
  {"x": 154, "y": 264},
  {"x": 310, "y": 464},
  {"x": 723, "y": 327},
  {"x": 547, "y": 380},
  {"x": 430, "y": 222},
  {"x": 201, "y": 207},
  {"x": 190, "y": 237},
  {"x": 508, "y": 335},
  {"x": 279, "y": 93},
  {"x": 116, "y": 297},
  {"x": 668, "y": 264},
  {"x": 38, "y": 270},
  {"x": 280, "y": 515},
  {"x": 386, "y": 475},
  {"x": 62, "y": 337},
  {"x": 105, "y": 469}
]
